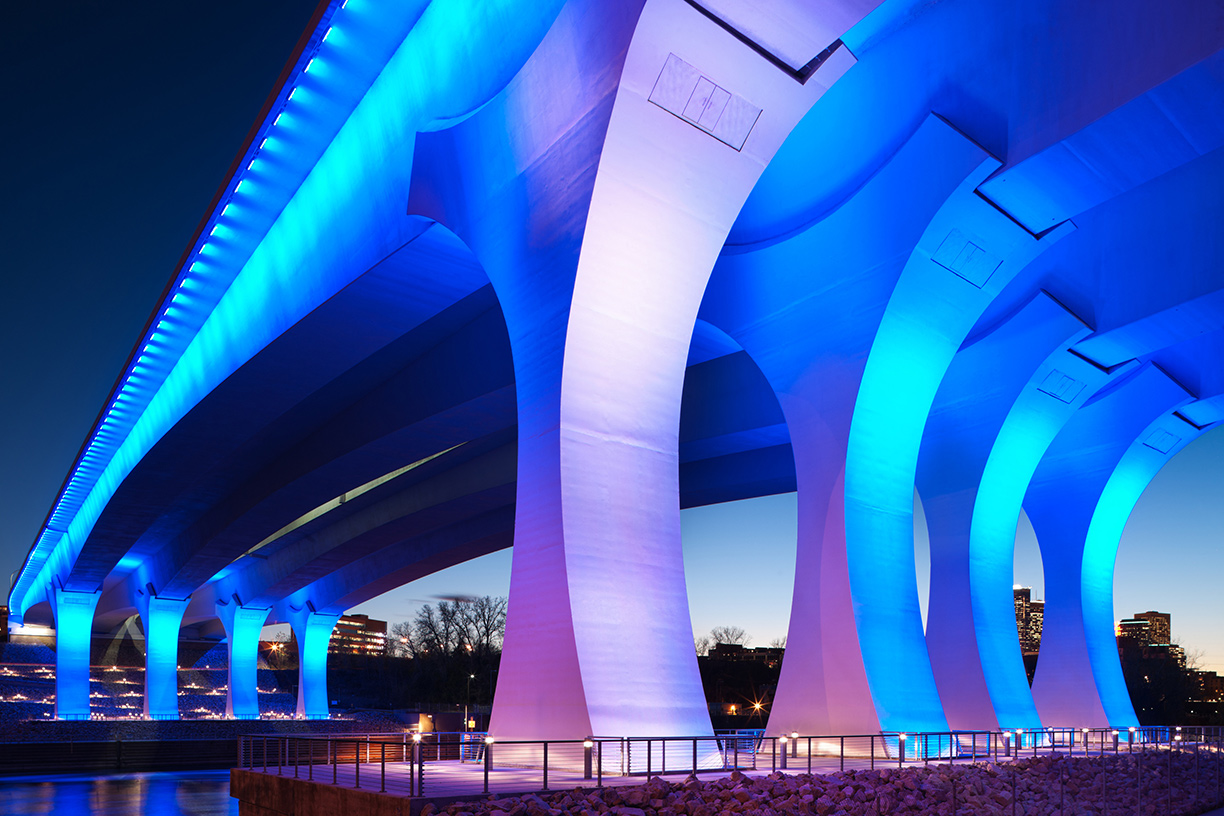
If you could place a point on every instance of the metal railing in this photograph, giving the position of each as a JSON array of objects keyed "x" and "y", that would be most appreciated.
[{"x": 455, "y": 764}]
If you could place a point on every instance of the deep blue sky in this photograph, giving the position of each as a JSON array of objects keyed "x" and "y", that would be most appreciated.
[{"x": 121, "y": 120}]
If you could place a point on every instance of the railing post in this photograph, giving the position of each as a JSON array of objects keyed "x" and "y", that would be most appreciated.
[
  {"x": 418, "y": 766},
  {"x": 310, "y": 764},
  {"x": 488, "y": 762},
  {"x": 773, "y": 754},
  {"x": 841, "y": 752},
  {"x": 297, "y": 756},
  {"x": 599, "y": 765},
  {"x": 873, "y": 752},
  {"x": 546, "y": 765},
  {"x": 265, "y": 754},
  {"x": 694, "y": 755},
  {"x": 383, "y": 763},
  {"x": 334, "y": 756},
  {"x": 735, "y": 742},
  {"x": 357, "y": 764},
  {"x": 650, "y": 758}
]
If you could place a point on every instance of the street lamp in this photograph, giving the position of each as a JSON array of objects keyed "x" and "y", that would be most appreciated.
[{"x": 466, "y": 700}]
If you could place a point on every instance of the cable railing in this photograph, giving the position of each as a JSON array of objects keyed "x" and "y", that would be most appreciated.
[{"x": 474, "y": 763}]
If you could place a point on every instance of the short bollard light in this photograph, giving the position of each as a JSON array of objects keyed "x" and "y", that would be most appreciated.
[
  {"x": 794, "y": 743},
  {"x": 587, "y": 745},
  {"x": 1007, "y": 735},
  {"x": 900, "y": 749},
  {"x": 782, "y": 739},
  {"x": 1115, "y": 739},
  {"x": 1130, "y": 738},
  {"x": 488, "y": 760}
]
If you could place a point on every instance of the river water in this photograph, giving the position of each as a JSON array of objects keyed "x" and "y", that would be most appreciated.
[{"x": 186, "y": 793}]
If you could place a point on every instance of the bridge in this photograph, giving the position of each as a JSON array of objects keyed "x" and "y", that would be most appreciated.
[{"x": 543, "y": 274}]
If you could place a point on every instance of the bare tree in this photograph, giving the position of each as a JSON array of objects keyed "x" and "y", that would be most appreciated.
[
  {"x": 731, "y": 635},
  {"x": 702, "y": 645},
  {"x": 471, "y": 626},
  {"x": 440, "y": 631},
  {"x": 778, "y": 643},
  {"x": 401, "y": 641},
  {"x": 485, "y": 621}
]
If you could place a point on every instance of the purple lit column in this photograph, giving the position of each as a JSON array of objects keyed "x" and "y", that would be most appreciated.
[{"x": 598, "y": 223}]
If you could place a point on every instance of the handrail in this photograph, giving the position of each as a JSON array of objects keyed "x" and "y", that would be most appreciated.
[{"x": 408, "y": 763}]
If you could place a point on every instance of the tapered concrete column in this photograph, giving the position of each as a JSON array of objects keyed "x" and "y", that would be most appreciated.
[
  {"x": 1051, "y": 397},
  {"x": 806, "y": 309},
  {"x": 968, "y": 253},
  {"x": 73, "y": 613},
  {"x": 161, "y": 618},
  {"x": 242, "y": 627},
  {"x": 966, "y": 419},
  {"x": 600, "y": 287},
  {"x": 1155, "y": 446},
  {"x": 1073, "y": 494},
  {"x": 313, "y": 632}
]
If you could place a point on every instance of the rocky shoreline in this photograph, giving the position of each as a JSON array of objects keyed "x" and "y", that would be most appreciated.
[{"x": 1127, "y": 784}]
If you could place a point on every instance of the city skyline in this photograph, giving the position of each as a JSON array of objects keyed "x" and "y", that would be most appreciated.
[{"x": 1178, "y": 502}]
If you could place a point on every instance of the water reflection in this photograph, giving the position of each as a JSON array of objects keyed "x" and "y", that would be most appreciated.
[{"x": 189, "y": 793}]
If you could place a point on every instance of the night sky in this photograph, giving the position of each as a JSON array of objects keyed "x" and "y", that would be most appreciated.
[{"x": 121, "y": 122}]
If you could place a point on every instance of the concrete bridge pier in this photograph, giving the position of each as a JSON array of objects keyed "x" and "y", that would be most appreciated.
[
  {"x": 242, "y": 627},
  {"x": 161, "y": 618},
  {"x": 313, "y": 631},
  {"x": 73, "y": 613},
  {"x": 967, "y": 419},
  {"x": 1070, "y": 498}
]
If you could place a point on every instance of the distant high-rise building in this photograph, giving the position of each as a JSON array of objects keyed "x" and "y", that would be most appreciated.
[
  {"x": 358, "y": 634},
  {"x": 1161, "y": 626},
  {"x": 1134, "y": 633},
  {"x": 1030, "y": 617}
]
